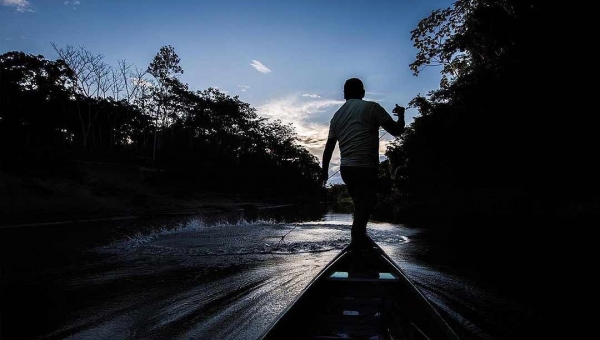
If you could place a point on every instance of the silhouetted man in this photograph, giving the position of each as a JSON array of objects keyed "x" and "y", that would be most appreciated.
[{"x": 356, "y": 126}]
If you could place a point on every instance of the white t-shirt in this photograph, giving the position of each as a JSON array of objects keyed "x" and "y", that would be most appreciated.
[{"x": 356, "y": 127}]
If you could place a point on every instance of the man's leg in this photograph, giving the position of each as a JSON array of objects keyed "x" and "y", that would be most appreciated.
[{"x": 362, "y": 186}]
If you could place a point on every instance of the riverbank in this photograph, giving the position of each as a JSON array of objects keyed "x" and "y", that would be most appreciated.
[
  {"x": 102, "y": 191},
  {"x": 94, "y": 191}
]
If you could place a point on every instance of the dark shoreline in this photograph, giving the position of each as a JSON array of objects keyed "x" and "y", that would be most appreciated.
[
  {"x": 103, "y": 192},
  {"x": 247, "y": 209}
]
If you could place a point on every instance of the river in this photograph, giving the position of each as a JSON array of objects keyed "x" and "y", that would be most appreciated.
[{"x": 228, "y": 277}]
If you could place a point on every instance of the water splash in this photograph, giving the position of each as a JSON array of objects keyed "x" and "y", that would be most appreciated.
[{"x": 229, "y": 280}]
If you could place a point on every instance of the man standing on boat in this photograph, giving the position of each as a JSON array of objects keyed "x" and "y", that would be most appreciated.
[{"x": 355, "y": 126}]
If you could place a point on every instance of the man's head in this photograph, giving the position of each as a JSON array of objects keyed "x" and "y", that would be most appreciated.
[{"x": 354, "y": 89}]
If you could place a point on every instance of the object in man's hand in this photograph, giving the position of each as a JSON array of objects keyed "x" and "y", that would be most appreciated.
[{"x": 398, "y": 109}]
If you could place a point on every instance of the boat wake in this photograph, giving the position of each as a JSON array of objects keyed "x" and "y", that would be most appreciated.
[
  {"x": 197, "y": 238},
  {"x": 228, "y": 280}
]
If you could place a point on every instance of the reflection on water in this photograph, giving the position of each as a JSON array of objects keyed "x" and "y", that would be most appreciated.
[{"x": 211, "y": 279}]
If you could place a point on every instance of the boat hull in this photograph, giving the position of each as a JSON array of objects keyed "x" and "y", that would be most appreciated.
[{"x": 360, "y": 295}]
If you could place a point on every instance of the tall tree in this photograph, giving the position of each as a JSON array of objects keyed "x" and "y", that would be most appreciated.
[
  {"x": 33, "y": 107},
  {"x": 492, "y": 126},
  {"x": 165, "y": 69},
  {"x": 91, "y": 80}
]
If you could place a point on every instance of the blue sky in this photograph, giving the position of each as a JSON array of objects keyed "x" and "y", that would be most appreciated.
[{"x": 288, "y": 59}]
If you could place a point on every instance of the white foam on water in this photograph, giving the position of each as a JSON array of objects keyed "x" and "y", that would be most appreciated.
[{"x": 228, "y": 280}]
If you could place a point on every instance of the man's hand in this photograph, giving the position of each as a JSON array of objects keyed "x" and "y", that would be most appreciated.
[{"x": 399, "y": 111}]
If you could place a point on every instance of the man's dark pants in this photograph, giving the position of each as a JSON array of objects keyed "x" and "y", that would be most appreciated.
[{"x": 362, "y": 186}]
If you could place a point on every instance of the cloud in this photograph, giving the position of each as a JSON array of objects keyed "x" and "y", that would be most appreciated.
[
  {"x": 142, "y": 82},
  {"x": 220, "y": 90},
  {"x": 304, "y": 116},
  {"x": 311, "y": 95},
  {"x": 260, "y": 67},
  {"x": 244, "y": 88},
  {"x": 73, "y": 3},
  {"x": 19, "y": 5}
]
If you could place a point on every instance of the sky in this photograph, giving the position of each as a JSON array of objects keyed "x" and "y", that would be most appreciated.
[{"x": 288, "y": 59}]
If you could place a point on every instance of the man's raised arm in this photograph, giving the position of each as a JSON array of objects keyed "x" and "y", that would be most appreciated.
[{"x": 395, "y": 128}]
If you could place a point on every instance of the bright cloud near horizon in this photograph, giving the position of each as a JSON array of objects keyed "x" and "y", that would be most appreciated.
[
  {"x": 302, "y": 113},
  {"x": 288, "y": 59}
]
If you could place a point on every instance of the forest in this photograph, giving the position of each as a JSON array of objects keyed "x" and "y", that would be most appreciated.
[
  {"x": 502, "y": 135},
  {"x": 55, "y": 113}
]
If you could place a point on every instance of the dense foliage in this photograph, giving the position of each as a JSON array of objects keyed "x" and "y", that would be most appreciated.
[
  {"x": 79, "y": 107},
  {"x": 495, "y": 132}
]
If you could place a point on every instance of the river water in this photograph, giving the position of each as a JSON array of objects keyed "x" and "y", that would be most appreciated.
[{"x": 199, "y": 277}]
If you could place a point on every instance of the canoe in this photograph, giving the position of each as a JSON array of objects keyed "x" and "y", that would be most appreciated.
[{"x": 360, "y": 295}]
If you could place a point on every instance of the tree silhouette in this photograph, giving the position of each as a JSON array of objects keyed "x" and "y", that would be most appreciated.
[
  {"x": 79, "y": 107},
  {"x": 491, "y": 132}
]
